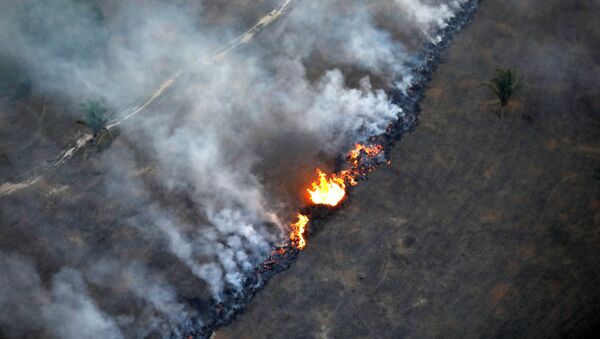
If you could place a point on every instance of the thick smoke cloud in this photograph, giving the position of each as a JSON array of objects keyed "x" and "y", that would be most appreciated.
[{"x": 213, "y": 142}]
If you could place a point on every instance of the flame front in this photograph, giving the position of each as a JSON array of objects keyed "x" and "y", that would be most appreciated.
[
  {"x": 327, "y": 191},
  {"x": 298, "y": 229},
  {"x": 331, "y": 189}
]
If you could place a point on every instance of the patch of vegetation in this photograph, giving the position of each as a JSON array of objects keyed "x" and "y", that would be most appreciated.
[
  {"x": 505, "y": 85},
  {"x": 96, "y": 116}
]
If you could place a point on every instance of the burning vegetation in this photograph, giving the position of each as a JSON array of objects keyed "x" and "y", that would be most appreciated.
[
  {"x": 326, "y": 193},
  {"x": 297, "y": 232},
  {"x": 330, "y": 190},
  {"x": 327, "y": 190}
]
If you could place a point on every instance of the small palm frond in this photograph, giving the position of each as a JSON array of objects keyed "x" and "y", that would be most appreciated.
[{"x": 505, "y": 85}]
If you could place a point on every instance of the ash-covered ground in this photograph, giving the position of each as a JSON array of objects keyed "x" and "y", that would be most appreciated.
[{"x": 218, "y": 114}]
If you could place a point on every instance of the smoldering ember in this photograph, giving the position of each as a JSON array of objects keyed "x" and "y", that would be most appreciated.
[{"x": 299, "y": 169}]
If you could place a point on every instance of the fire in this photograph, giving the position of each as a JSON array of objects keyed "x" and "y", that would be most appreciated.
[
  {"x": 354, "y": 156},
  {"x": 327, "y": 191},
  {"x": 331, "y": 189},
  {"x": 362, "y": 160},
  {"x": 298, "y": 229}
]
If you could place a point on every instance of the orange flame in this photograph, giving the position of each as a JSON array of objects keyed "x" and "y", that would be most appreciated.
[
  {"x": 327, "y": 191},
  {"x": 331, "y": 190},
  {"x": 370, "y": 152},
  {"x": 349, "y": 176},
  {"x": 355, "y": 157},
  {"x": 298, "y": 229}
]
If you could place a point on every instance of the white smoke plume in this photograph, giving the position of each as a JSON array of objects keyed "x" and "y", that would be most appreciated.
[{"x": 200, "y": 185}]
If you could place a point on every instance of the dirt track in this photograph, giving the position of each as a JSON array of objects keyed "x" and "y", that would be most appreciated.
[{"x": 480, "y": 227}]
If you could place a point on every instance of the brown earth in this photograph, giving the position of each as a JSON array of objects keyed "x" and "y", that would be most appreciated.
[{"x": 481, "y": 226}]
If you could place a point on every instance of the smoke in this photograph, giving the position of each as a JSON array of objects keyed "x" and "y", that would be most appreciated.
[
  {"x": 427, "y": 17},
  {"x": 72, "y": 313},
  {"x": 65, "y": 309},
  {"x": 201, "y": 185},
  {"x": 163, "y": 312}
]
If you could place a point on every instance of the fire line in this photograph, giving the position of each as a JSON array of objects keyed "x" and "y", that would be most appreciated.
[{"x": 330, "y": 190}]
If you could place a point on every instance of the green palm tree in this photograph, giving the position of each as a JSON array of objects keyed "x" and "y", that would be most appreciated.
[
  {"x": 505, "y": 85},
  {"x": 95, "y": 116}
]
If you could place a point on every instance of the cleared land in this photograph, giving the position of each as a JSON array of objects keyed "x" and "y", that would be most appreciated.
[{"x": 480, "y": 227}]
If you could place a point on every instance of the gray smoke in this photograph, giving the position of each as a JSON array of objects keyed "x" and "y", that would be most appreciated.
[
  {"x": 202, "y": 183},
  {"x": 64, "y": 310}
]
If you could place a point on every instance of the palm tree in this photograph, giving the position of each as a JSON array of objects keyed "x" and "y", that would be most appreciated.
[
  {"x": 95, "y": 116},
  {"x": 505, "y": 85}
]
